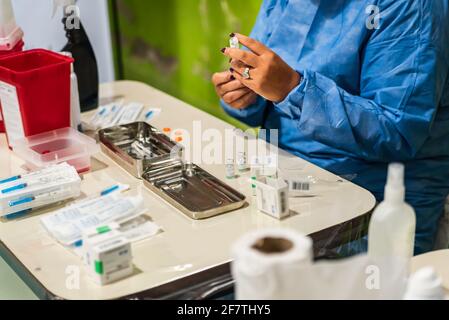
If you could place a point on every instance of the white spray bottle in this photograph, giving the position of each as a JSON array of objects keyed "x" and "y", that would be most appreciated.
[
  {"x": 75, "y": 108},
  {"x": 392, "y": 227}
]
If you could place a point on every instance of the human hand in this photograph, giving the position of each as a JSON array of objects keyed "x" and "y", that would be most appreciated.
[
  {"x": 270, "y": 76},
  {"x": 232, "y": 91}
]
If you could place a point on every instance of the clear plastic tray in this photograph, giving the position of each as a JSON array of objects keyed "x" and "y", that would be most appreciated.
[{"x": 53, "y": 147}]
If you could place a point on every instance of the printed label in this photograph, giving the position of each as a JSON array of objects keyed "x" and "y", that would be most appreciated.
[
  {"x": 11, "y": 112},
  {"x": 299, "y": 186}
]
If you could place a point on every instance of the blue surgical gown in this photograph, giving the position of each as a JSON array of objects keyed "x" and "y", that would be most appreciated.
[{"x": 374, "y": 91}]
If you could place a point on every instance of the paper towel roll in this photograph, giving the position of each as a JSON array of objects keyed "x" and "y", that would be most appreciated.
[{"x": 266, "y": 263}]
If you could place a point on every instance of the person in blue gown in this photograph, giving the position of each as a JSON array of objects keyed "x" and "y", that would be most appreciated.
[{"x": 352, "y": 85}]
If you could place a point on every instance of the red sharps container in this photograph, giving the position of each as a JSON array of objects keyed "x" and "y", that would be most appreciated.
[{"x": 34, "y": 93}]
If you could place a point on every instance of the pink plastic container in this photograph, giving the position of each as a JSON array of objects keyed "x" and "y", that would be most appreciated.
[{"x": 62, "y": 145}]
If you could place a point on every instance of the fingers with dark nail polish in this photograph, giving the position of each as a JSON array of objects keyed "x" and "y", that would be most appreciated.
[
  {"x": 232, "y": 35},
  {"x": 223, "y": 50}
]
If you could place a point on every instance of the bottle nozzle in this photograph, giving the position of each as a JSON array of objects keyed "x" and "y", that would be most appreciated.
[
  {"x": 396, "y": 175},
  {"x": 395, "y": 189}
]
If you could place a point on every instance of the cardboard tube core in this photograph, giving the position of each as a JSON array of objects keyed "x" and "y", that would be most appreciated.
[{"x": 273, "y": 245}]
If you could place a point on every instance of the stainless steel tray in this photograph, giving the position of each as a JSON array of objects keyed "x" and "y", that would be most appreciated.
[
  {"x": 192, "y": 190},
  {"x": 138, "y": 146}
]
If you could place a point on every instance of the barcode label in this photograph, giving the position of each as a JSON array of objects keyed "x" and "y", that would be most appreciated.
[{"x": 299, "y": 186}]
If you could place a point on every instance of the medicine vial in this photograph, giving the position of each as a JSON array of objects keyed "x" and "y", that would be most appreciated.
[
  {"x": 234, "y": 43},
  {"x": 242, "y": 161},
  {"x": 230, "y": 169}
]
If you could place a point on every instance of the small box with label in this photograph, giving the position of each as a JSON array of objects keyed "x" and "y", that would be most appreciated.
[
  {"x": 272, "y": 197},
  {"x": 107, "y": 254}
]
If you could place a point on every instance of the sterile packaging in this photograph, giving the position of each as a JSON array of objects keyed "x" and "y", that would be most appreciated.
[
  {"x": 23, "y": 193},
  {"x": 117, "y": 113},
  {"x": 105, "y": 116},
  {"x": 62, "y": 145},
  {"x": 138, "y": 228},
  {"x": 151, "y": 114},
  {"x": 272, "y": 197},
  {"x": 34, "y": 93},
  {"x": 67, "y": 224},
  {"x": 134, "y": 230},
  {"x": 131, "y": 113},
  {"x": 108, "y": 255}
]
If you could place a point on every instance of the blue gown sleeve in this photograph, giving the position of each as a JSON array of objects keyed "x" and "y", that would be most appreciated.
[
  {"x": 254, "y": 114},
  {"x": 404, "y": 68}
]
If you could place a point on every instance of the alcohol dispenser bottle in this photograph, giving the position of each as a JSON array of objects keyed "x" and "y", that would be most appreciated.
[
  {"x": 75, "y": 109},
  {"x": 393, "y": 224}
]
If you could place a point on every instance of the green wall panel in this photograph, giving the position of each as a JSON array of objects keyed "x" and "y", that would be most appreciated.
[{"x": 174, "y": 45}]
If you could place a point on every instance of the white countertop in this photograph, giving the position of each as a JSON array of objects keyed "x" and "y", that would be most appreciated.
[{"x": 186, "y": 246}]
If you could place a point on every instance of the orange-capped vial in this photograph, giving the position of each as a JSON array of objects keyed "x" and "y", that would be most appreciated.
[
  {"x": 178, "y": 139},
  {"x": 178, "y": 133},
  {"x": 166, "y": 130}
]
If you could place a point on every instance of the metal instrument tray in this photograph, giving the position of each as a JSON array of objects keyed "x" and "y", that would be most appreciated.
[
  {"x": 148, "y": 154},
  {"x": 192, "y": 190},
  {"x": 138, "y": 146}
]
